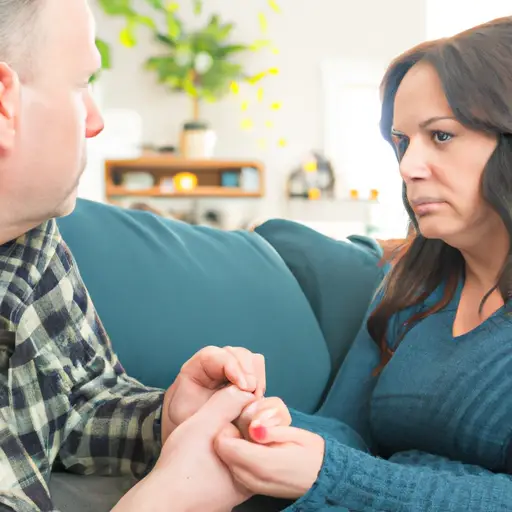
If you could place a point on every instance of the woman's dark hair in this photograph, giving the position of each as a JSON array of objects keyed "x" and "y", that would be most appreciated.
[{"x": 475, "y": 69}]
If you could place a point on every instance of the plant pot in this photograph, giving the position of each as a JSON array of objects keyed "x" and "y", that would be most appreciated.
[{"x": 197, "y": 140}]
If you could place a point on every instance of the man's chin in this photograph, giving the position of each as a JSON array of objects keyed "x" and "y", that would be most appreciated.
[{"x": 68, "y": 206}]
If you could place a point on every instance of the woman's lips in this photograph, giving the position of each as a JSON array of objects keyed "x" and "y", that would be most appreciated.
[{"x": 425, "y": 206}]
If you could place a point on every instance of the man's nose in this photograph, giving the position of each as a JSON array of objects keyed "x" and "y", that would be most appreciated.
[{"x": 95, "y": 124}]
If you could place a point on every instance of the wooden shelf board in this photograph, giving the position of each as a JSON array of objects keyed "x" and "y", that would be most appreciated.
[
  {"x": 159, "y": 162},
  {"x": 113, "y": 191}
]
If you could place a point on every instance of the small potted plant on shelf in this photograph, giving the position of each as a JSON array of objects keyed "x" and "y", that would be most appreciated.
[{"x": 199, "y": 62}]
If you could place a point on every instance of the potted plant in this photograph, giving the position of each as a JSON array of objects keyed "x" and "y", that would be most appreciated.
[
  {"x": 199, "y": 62},
  {"x": 104, "y": 50}
]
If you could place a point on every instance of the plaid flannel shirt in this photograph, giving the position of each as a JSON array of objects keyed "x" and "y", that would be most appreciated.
[{"x": 64, "y": 395}]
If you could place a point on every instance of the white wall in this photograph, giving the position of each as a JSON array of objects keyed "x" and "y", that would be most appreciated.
[
  {"x": 446, "y": 18},
  {"x": 306, "y": 33}
]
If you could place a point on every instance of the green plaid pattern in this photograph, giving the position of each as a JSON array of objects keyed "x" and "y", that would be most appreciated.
[{"x": 65, "y": 397}]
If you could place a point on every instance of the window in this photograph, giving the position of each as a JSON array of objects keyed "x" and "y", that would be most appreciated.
[{"x": 362, "y": 159}]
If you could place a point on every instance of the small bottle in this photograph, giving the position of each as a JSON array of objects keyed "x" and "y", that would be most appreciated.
[{"x": 354, "y": 194}]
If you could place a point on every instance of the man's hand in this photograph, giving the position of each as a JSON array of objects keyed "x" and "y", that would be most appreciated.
[
  {"x": 189, "y": 475},
  {"x": 206, "y": 372}
]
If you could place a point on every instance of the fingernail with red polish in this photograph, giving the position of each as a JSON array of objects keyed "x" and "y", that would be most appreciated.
[{"x": 258, "y": 432}]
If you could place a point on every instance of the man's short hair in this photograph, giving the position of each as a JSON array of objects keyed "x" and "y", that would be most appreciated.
[{"x": 18, "y": 19}]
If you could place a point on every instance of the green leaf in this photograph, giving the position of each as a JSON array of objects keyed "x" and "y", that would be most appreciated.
[
  {"x": 273, "y": 5},
  {"x": 167, "y": 68},
  {"x": 226, "y": 30},
  {"x": 215, "y": 31},
  {"x": 117, "y": 7},
  {"x": 225, "y": 51},
  {"x": 144, "y": 20},
  {"x": 127, "y": 35},
  {"x": 263, "y": 22},
  {"x": 202, "y": 42},
  {"x": 189, "y": 86},
  {"x": 183, "y": 48},
  {"x": 162, "y": 38},
  {"x": 216, "y": 82},
  {"x": 198, "y": 7},
  {"x": 260, "y": 43},
  {"x": 172, "y": 7},
  {"x": 173, "y": 26},
  {"x": 214, "y": 21},
  {"x": 174, "y": 82},
  {"x": 254, "y": 79},
  {"x": 104, "y": 50},
  {"x": 156, "y": 4}
]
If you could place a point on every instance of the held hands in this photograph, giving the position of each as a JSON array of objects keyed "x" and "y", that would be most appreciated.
[
  {"x": 259, "y": 449},
  {"x": 209, "y": 370},
  {"x": 266, "y": 455}
]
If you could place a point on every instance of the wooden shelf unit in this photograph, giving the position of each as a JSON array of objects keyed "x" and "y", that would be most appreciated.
[{"x": 209, "y": 177}]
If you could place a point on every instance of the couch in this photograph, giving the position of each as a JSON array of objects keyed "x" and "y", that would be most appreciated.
[{"x": 164, "y": 289}]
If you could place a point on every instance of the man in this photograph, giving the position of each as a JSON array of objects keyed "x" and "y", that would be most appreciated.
[{"x": 64, "y": 396}]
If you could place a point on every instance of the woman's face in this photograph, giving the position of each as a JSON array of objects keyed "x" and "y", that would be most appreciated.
[{"x": 441, "y": 161}]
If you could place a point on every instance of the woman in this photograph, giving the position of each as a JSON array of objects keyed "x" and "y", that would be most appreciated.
[{"x": 425, "y": 394}]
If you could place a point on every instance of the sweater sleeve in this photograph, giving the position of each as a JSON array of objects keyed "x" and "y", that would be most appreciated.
[
  {"x": 331, "y": 427},
  {"x": 408, "y": 482}
]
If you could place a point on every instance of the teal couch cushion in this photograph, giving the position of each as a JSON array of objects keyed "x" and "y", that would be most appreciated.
[
  {"x": 339, "y": 278},
  {"x": 165, "y": 289}
]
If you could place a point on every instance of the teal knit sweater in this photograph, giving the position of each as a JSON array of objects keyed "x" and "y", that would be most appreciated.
[{"x": 432, "y": 433}]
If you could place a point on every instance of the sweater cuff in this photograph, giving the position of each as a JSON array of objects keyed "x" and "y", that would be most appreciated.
[{"x": 319, "y": 497}]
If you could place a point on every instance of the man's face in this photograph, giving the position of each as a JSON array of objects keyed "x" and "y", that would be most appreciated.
[{"x": 54, "y": 113}]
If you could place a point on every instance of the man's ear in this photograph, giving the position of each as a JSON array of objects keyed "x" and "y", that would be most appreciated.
[{"x": 9, "y": 95}]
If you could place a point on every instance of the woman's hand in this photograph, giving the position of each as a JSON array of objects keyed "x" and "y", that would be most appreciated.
[
  {"x": 286, "y": 466},
  {"x": 262, "y": 415}
]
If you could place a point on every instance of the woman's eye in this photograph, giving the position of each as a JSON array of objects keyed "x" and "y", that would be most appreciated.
[{"x": 441, "y": 137}]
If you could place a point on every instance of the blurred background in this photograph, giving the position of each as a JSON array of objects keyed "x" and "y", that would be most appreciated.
[{"x": 228, "y": 112}]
